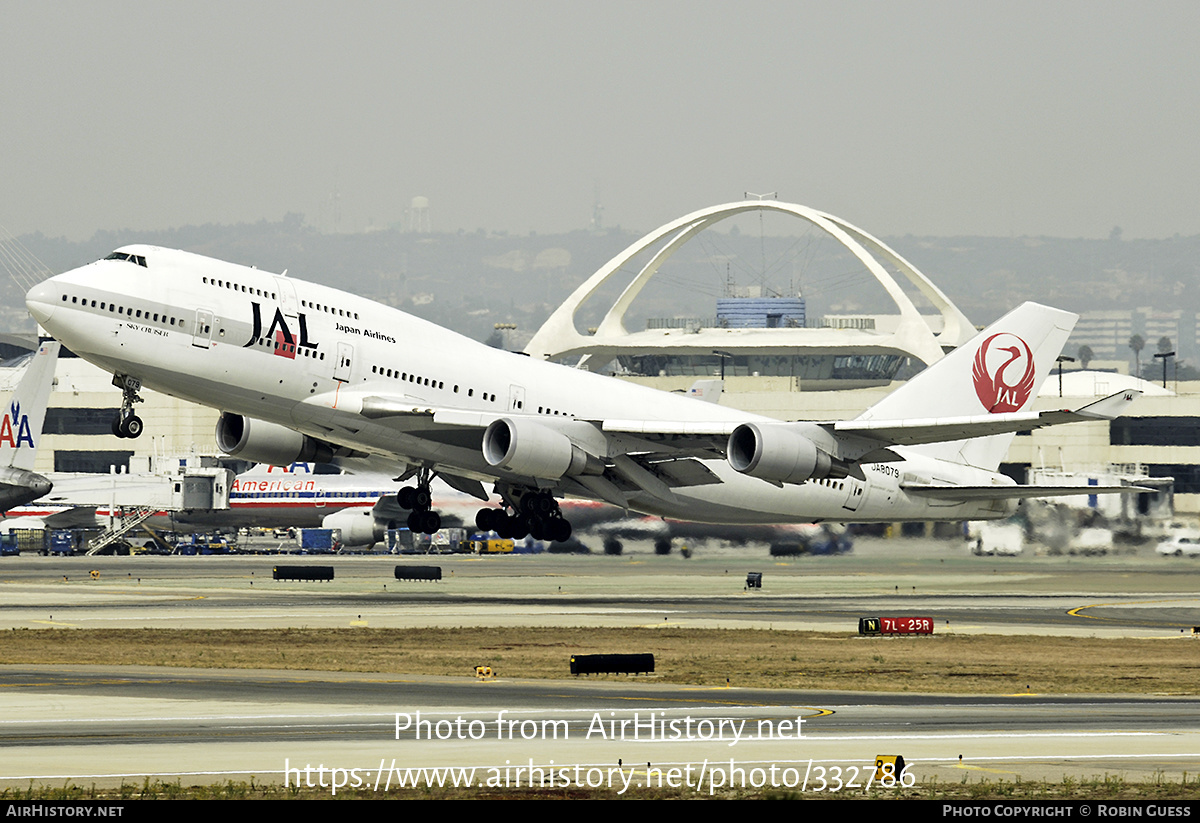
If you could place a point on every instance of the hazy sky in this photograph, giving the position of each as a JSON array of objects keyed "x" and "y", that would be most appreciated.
[{"x": 1061, "y": 119}]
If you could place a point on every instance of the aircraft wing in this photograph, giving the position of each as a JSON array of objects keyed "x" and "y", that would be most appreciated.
[
  {"x": 639, "y": 456},
  {"x": 938, "y": 430},
  {"x": 379, "y": 407},
  {"x": 1013, "y": 492},
  {"x": 656, "y": 456},
  {"x": 51, "y": 518}
]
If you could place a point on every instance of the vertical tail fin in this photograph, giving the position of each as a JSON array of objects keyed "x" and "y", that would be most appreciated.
[
  {"x": 998, "y": 370},
  {"x": 21, "y": 425}
]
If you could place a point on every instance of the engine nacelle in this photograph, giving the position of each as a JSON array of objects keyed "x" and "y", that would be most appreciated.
[
  {"x": 357, "y": 527},
  {"x": 528, "y": 448},
  {"x": 776, "y": 453},
  {"x": 270, "y": 443}
]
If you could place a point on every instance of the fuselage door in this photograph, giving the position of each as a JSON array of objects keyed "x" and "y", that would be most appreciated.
[
  {"x": 287, "y": 296},
  {"x": 856, "y": 491},
  {"x": 202, "y": 334},
  {"x": 516, "y": 398},
  {"x": 345, "y": 359}
]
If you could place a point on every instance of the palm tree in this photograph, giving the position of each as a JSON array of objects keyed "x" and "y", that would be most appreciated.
[
  {"x": 1086, "y": 355},
  {"x": 1137, "y": 343}
]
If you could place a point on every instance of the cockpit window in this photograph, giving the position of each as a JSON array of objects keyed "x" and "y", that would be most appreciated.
[{"x": 132, "y": 258}]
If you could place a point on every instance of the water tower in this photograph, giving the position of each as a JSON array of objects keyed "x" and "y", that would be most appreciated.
[{"x": 418, "y": 216}]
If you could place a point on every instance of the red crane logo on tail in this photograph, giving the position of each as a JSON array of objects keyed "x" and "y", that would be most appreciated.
[{"x": 1001, "y": 382}]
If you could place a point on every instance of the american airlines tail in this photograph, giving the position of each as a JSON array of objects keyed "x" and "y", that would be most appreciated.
[
  {"x": 21, "y": 429},
  {"x": 999, "y": 370},
  {"x": 21, "y": 426}
]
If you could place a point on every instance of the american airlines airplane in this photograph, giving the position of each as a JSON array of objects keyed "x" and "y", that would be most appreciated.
[
  {"x": 303, "y": 372},
  {"x": 301, "y": 495}
]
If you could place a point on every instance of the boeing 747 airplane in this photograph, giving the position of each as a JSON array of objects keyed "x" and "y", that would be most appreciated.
[{"x": 303, "y": 372}]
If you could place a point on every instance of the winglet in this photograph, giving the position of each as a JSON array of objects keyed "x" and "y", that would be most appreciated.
[
  {"x": 707, "y": 390},
  {"x": 1110, "y": 407}
]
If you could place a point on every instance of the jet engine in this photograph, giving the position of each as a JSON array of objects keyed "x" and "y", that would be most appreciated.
[
  {"x": 358, "y": 527},
  {"x": 270, "y": 443},
  {"x": 528, "y": 448},
  {"x": 776, "y": 453}
]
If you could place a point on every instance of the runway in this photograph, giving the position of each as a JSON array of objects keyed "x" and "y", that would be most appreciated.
[
  {"x": 1140, "y": 596},
  {"x": 109, "y": 724},
  {"x": 103, "y": 725}
]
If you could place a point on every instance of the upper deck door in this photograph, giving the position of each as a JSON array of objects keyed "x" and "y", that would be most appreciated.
[{"x": 287, "y": 296}]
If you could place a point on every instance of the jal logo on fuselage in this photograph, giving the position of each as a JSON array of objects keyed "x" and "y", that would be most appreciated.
[
  {"x": 280, "y": 333},
  {"x": 1003, "y": 373},
  {"x": 14, "y": 429}
]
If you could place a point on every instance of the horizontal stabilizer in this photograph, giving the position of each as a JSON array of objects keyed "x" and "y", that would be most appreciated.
[{"x": 942, "y": 429}]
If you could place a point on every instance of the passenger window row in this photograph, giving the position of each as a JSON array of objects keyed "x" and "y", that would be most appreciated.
[
  {"x": 228, "y": 284},
  {"x": 396, "y": 374},
  {"x": 308, "y": 304},
  {"x": 145, "y": 315}
]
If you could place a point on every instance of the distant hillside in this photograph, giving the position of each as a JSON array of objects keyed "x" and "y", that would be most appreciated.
[{"x": 471, "y": 281}]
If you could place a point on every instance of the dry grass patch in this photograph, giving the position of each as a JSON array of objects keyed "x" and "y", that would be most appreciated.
[{"x": 747, "y": 657}]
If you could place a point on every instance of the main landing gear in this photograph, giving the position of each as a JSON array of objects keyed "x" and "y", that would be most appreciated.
[
  {"x": 526, "y": 512},
  {"x": 421, "y": 520},
  {"x": 535, "y": 514},
  {"x": 126, "y": 423}
]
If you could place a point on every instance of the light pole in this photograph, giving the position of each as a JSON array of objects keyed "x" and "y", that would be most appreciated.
[
  {"x": 724, "y": 355},
  {"x": 1164, "y": 355},
  {"x": 1062, "y": 358}
]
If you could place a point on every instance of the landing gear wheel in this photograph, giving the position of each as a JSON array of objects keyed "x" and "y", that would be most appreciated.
[
  {"x": 432, "y": 522},
  {"x": 422, "y": 498},
  {"x": 560, "y": 530},
  {"x": 503, "y": 527},
  {"x": 132, "y": 426},
  {"x": 537, "y": 514},
  {"x": 519, "y": 526},
  {"x": 424, "y": 522},
  {"x": 418, "y": 499},
  {"x": 487, "y": 520},
  {"x": 406, "y": 497}
]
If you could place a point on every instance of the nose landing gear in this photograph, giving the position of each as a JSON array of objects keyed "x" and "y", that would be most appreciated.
[{"x": 126, "y": 423}]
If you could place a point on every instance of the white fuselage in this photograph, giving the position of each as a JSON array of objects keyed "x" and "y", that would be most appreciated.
[
  {"x": 277, "y": 498},
  {"x": 307, "y": 357}
]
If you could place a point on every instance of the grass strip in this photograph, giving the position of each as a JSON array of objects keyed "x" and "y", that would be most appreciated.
[{"x": 748, "y": 658}]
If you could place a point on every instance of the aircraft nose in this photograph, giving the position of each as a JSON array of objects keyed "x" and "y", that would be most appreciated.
[
  {"x": 41, "y": 301},
  {"x": 40, "y": 485}
]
